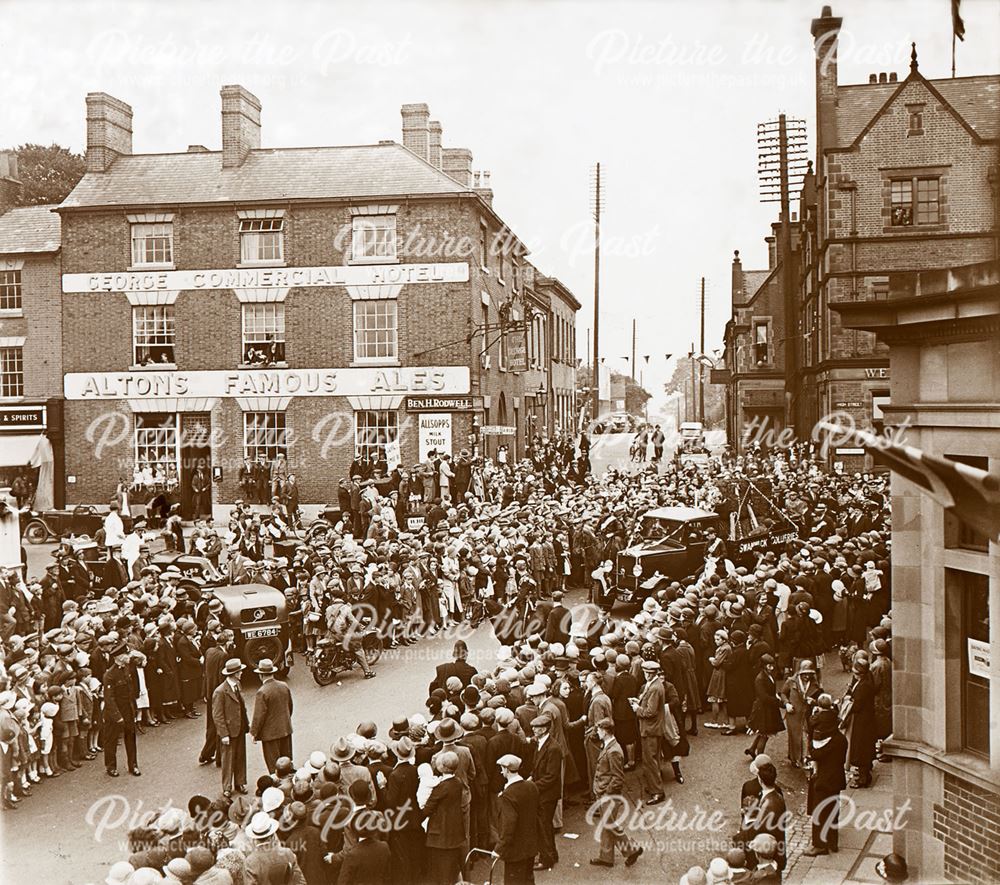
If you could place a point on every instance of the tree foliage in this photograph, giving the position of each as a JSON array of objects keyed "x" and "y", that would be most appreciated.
[
  {"x": 636, "y": 396},
  {"x": 47, "y": 174},
  {"x": 715, "y": 394}
]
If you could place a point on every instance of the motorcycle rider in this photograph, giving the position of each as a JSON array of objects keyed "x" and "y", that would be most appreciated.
[{"x": 344, "y": 629}]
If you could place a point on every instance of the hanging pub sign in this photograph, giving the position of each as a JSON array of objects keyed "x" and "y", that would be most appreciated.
[{"x": 515, "y": 345}]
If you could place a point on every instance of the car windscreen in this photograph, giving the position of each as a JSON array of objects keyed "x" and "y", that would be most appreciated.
[{"x": 656, "y": 529}]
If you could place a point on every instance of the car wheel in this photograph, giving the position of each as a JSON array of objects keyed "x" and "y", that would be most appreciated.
[
  {"x": 265, "y": 647},
  {"x": 35, "y": 532}
]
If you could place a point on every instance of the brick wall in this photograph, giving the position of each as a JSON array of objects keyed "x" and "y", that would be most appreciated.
[
  {"x": 434, "y": 321},
  {"x": 40, "y": 325},
  {"x": 968, "y": 823}
]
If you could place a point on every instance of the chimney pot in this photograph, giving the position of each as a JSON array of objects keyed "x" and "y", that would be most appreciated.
[
  {"x": 10, "y": 185},
  {"x": 893, "y": 78},
  {"x": 240, "y": 124},
  {"x": 882, "y": 78},
  {"x": 416, "y": 129},
  {"x": 827, "y": 12},
  {"x": 197, "y": 149},
  {"x": 873, "y": 78},
  {"x": 109, "y": 130},
  {"x": 457, "y": 163}
]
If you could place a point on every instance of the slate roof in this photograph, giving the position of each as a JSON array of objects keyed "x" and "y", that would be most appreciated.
[
  {"x": 976, "y": 99},
  {"x": 29, "y": 229},
  {"x": 752, "y": 281},
  {"x": 360, "y": 171}
]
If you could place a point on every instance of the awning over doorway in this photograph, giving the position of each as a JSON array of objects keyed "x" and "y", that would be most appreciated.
[{"x": 18, "y": 449}]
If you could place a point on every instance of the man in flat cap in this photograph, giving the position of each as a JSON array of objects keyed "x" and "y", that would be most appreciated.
[
  {"x": 517, "y": 840},
  {"x": 547, "y": 775}
]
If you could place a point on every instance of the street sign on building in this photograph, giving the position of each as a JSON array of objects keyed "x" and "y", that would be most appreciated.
[{"x": 498, "y": 430}]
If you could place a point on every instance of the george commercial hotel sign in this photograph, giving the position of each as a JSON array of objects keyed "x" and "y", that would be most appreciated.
[
  {"x": 149, "y": 384},
  {"x": 265, "y": 277}
]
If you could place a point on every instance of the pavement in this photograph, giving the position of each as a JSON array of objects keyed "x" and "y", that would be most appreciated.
[{"x": 74, "y": 827}]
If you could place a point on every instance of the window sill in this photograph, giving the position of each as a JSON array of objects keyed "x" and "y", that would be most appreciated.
[
  {"x": 374, "y": 260},
  {"x": 374, "y": 364},
  {"x": 243, "y": 265},
  {"x": 12, "y": 399},
  {"x": 916, "y": 229},
  {"x": 12, "y": 313},
  {"x": 139, "y": 268},
  {"x": 278, "y": 365},
  {"x": 157, "y": 367}
]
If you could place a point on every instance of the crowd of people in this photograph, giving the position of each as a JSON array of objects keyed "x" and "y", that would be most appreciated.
[{"x": 584, "y": 705}]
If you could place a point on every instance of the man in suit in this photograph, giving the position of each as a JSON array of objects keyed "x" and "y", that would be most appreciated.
[
  {"x": 231, "y": 724},
  {"x": 406, "y": 838},
  {"x": 609, "y": 787},
  {"x": 459, "y": 667},
  {"x": 547, "y": 775},
  {"x": 517, "y": 840},
  {"x": 272, "y": 715},
  {"x": 445, "y": 824},
  {"x": 367, "y": 861},
  {"x": 558, "y": 622},
  {"x": 120, "y": 692},
  {"x": 215, "y": 659},
  {"x": 652, "y": 729},
  {"x": 769, "y": 814},
  {"x": 599, "y": 709},
  {"x": 828, "y": 751}
]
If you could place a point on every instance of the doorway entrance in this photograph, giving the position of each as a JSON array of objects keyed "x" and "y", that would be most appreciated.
[{"x": 196, "y": 465}]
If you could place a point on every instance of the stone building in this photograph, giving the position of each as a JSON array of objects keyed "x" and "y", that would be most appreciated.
[
  {"x": 317, "y": 303},
  {"x": 942, "y": 331},
  {"x": 905, "y": 179}
]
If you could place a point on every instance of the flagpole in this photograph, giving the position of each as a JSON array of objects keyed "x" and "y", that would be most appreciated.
[{"x": 953, "y": 53}]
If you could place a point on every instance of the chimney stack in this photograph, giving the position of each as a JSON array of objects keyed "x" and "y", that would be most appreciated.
[
  {"x": 240, "y": 124},
  {"x": 826, "y": 33},
  {"x": 10, "y": 184},
  {"x": 434, "y": 132},
  {"x": 772, "y": 252},
  {"x": 457, "y": 163},
  {"x": 482, "y": 186},
  {"x": 109, "y": 130},
  {"x": 416, "y": 129},
  {"x": 738, "y": 295}
]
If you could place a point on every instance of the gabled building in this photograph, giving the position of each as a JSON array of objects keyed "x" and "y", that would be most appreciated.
[{"x": 906, "y": 180}]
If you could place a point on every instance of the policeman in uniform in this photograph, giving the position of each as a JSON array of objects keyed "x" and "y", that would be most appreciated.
[{"x": 121, "y": 688}]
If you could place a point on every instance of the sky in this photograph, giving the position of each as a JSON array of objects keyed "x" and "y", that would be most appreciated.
[{"x": 666, "y": 95}]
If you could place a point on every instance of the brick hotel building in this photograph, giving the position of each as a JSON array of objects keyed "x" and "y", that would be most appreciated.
[{"x": 239, "y": 303}]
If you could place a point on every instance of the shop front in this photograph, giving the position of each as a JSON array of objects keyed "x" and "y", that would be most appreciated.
[{"x": 30, "y": 445}]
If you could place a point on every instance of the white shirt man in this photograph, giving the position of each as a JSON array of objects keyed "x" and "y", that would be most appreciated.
[{"x": 114, "y": 528}]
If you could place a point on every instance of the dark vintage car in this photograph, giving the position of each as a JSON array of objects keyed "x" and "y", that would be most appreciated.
[
  {"x": 668, "y": 542},
  {"x": 198, "y": 571},
  {"x": 37, "y": 527},
  {"x": 258, "y": 616}
]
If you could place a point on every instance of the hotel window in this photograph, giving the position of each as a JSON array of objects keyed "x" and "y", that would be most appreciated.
[
  {"x": 500, "y": 261},
  {"x": 153, "y": 335},
  {"x": 760, "y": 354},
  {"x": 928, "y": 204},
  {"x": 263, "y": 334},
  {"x": 152, "y": 244},
  {"x": 372, "y": 430},
  {"x": 262, "y": 240},
  {"x": 515, "y": 275},
  {"x": 484, "y": 247},
  {"x": 375, "y": 331},
  {"x": 10, "y": 290},
  {"x": 11, "y": 371},
  {"x": 156, "y": 445},
  {"x": 374, "y": 237},
  {"x": 972, "y": 607},
  {"x": 264, "y": 433}
]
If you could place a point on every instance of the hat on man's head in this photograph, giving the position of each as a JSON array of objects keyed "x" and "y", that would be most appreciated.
[
  {"x": 262, "y": 826},
  {"x": 233, "y": 666},
  {"x": 510, "y": 762}
]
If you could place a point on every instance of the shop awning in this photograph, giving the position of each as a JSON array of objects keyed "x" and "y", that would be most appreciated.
[{"x": 18, "y": 449}]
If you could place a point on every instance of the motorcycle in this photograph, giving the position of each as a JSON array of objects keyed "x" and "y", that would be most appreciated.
[{"x": 329, "y": 657}]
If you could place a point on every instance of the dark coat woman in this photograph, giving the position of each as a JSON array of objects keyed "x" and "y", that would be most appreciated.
[
  {"x": 765, "y": 717},
  {"x": 860, "y": 722},
  {"x": 739, "y": 678},
  {"x": 625, "y": 686}
]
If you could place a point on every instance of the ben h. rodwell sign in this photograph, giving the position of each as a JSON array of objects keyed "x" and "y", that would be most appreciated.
[
  {"x": 266, "y": 382},
  {"x": 265, "y": 277}
]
